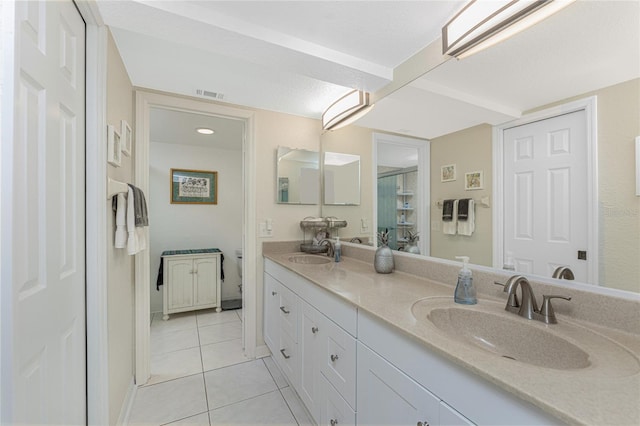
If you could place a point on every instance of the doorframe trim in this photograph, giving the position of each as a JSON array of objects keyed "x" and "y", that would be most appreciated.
[
  {"x": 146, "y": 99},
  {"x": 424, "y": 183},
  {"x": 590, "y": 106},
  {"x": 96, "y": 240}
]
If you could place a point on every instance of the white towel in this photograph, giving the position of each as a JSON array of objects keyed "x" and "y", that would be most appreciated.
[
  {"x": 450, "y": 227},
  {"x": 137, "y": 240},
  {"x": 466, "y": 227},
  {"x": 121, "y": 221}
]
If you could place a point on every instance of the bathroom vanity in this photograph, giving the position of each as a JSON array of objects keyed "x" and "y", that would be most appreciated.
[
  {"x": 191, "y": 280},
  {"x": 362, "y": 348}
]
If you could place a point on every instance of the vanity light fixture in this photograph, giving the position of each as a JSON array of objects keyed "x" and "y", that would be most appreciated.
[
  {"x": 481, "y": 24},
  {"x": 346, "y": 110},
  {"x": 205, "y": 131}
]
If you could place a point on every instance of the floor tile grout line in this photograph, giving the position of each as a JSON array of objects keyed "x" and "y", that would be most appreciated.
[
  {"x": 289, "y": 407},
  {"x": 184, "y": 418},
  {"x": 247, "y": 399},
  {"x": 145, "y": 386}
]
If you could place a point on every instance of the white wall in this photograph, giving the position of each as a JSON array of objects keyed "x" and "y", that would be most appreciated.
[{"x": 185, "y": 226}]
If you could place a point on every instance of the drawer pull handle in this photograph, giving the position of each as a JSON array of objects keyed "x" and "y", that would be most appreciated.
[
  {"x": 284, "y": 354},
  {"x": 425, "y": 423},
  {"x": 273, "y": 293},
  {"x": 333, "y": 422},
  {"x": 334, "y": 358},
  {"x": 284, "y": 310},
  {"x": 314, "y": 330}
]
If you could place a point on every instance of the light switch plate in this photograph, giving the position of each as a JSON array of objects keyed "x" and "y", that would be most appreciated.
[{"x": 264, "y": 231}]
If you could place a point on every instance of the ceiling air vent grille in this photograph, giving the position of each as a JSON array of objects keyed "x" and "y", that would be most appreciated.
[{"x": 214, "y": 95}]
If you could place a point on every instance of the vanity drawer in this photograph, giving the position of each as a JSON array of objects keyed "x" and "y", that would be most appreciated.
[
  {"x": 337, "y": 359},
  {"x": 288, "y": 312},
  {"x": 288, "y": 359},
  {"x": 334, "y": 410}
]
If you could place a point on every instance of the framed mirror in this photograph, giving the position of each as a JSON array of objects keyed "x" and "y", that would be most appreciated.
[
  {"x": 297, "y": 176},
  {"x": 341, "y": 174}
]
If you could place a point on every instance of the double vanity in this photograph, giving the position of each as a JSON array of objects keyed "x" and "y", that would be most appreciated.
[{"x": 366, "y": 348}]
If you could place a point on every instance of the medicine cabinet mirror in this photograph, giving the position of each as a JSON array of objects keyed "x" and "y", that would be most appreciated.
[{"x": 297, "y": 176}]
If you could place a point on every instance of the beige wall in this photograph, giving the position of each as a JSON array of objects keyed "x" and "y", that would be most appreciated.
[
  {"x": 618, "y": 126},
  {"x": 470, "y": 150},
  {"x": 358, "y": 141},
  {"x": 120, "y": 266}
]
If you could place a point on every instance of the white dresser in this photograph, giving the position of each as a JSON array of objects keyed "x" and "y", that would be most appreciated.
[{"x": 191, "y": 280}]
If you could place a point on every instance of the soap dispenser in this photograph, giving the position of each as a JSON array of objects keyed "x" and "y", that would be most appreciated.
[
  {"x": 465, "y": 291},
  {"x": 337, "y": 250}
]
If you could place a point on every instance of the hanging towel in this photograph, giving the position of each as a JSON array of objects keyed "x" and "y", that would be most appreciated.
[
  {"x": 467, "y": 226},
  {"x": 447, "y": 210},
  {"x": 463, "y": 208},
  {"x": 140, "y": 207},
  {"x": 120, "y": 206},
  {"x": 137, "y": 240},
  {"x": 449, "y": 226}
]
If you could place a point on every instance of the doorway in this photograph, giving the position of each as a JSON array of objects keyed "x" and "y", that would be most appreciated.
[
  {"x": 546, "y": 192},
  {"x": 401, "y": 197},
  {"x": 145, "y": 280}
]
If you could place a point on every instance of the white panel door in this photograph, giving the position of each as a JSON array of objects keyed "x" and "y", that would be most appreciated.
[
  {"x": 44, "y": 371},
  {"x": 180, "y": 278},
  {"x": 546, "y": 195},
  {"x": 206, "y": 272}
]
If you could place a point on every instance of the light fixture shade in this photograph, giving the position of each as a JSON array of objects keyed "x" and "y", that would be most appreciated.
[
  {"x": 352, "y": 105},
  {"x": 480, "y": 24}
]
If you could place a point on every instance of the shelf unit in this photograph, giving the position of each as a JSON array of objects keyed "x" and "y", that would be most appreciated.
[{"x": 403, "y": 210}]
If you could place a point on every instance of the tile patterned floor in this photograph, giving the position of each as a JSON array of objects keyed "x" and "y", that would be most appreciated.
[{"x": 199, "y": 376}]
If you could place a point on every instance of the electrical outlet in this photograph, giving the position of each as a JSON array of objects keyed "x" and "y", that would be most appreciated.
[{"x": 264, "y": 230}]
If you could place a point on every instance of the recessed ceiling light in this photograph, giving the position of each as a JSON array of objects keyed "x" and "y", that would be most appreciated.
[{"x": 205, "y": 131}]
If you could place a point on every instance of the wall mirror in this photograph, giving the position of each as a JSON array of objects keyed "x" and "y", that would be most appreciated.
[
  {"x": 297, "y": 176},
  {"x": 341, "y": 179},
  {"x": 456, "y": 106}
]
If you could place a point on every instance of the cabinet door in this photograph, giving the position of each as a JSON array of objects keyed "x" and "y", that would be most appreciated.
[
  {"x": 386, "y": 396},
  {"x": 334, "y": 410},
  {"x": 337, "y": 359},
  {"x": 180, "y": 283},
  {"x": 288, "y": 358},
  {"x": 205, "y": 280},
  {"x": 271, "y": 313},
  {"x": 450, "y": 417},
  {"x": 309, "y": 344}
]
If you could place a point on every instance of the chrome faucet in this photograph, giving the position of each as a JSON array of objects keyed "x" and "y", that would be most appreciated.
[
  {"x": 563, "y": 272},
  {"x": 356, "y": 240},
  {"x": 528, "y": 308},
  {"x": 329, "y": 245}
]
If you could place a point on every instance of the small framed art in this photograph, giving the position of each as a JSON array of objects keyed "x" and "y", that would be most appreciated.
[
  {"x": 473, "y": 180},
  {"x": 114, "y": 146},
  {"x": 448, "y": 173},
  {"x": 194, "y": 187},
  {"x": 127, "y": 137}
]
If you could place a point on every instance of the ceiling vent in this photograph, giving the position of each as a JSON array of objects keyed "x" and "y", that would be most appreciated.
[{"x": 214, "y": 95}]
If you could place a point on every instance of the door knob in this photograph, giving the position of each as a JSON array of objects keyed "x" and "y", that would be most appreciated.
[
  {"x": 314, "y": 330},
  {"x": 334, "y": 358}
]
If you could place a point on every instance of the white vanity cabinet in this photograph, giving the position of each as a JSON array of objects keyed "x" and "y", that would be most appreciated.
[
  {"x": 316, "y": 332},
  {"x": 191, "y": 282}
]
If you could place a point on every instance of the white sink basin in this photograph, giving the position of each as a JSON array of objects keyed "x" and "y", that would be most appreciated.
[
  {"x": 309, "y": 259},
  {"x": 487, "y": 327}
]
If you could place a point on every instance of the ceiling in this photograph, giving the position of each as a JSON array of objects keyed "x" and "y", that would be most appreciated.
[{"x": 298, "y": 57}]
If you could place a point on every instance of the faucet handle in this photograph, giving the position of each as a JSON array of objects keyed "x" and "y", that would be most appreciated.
[
  {"x": 513, "y": 298},
  {"x": 548, "y": 315}
]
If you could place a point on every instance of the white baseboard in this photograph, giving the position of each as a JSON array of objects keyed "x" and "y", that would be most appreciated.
[
  {"x": 125, "y": 411},
  {"x": 262, "y": 351}
]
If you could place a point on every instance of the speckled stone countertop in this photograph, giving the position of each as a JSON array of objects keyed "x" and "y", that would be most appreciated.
[{"x": 606, "y": 392}]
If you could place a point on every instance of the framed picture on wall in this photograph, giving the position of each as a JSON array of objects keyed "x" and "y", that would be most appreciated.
[
  {"x": 473, "y": 180},
  {"x": 448, "y": 173},
  {"x": 194, "y": 187},
  {"x": 114, "y": 147},
  {"x": 127, "y": 137}
]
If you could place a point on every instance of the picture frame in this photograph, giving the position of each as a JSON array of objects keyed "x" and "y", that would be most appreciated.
[
  {"x": 114, "y": 146},
  {"x": 448, "y": 173},
  {"x": 193, "y": 186},
  {"x": 126, "y": 136},
  {"x": 474, "y": 180}
]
